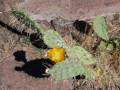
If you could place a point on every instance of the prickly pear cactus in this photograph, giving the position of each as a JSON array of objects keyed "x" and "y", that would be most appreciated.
[
  {"x": 100, "y": 27},
  {"x": 53, "y": 39},
  {"x": 78, "y": 58},
  {"x": 70, "y": 68},
  {"x": 27, "y": 20},
  {"x": 81, "y": 54}
]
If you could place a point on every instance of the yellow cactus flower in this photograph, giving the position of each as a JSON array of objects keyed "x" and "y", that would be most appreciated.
[{"x": 56, "y": 54}]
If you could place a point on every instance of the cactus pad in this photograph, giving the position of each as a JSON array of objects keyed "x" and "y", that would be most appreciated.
[
  {"x": 27, "y": 20},
  {"x": 81, "y": 54},
  {"x": 53, "y": 39},
  {"x": 100, "y": 27},
  {"x": 68, "y": 69}
]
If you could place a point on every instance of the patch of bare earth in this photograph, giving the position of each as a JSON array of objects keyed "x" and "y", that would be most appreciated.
[
  {"x": 11, "y": 42},
  {"x": 69, "y": 9},
  {"x": 19, "y": 80}
]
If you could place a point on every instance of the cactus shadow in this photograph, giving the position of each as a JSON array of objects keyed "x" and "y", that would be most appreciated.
[
  {"x": 35, "y": 68},
  {"x": 37, "y": 41},
  {"x": 82, "y": 26},
  {"x": 80, "y": 77},
  {"x": 11, "y": 29},
  {"x": 34, "y": 37}
]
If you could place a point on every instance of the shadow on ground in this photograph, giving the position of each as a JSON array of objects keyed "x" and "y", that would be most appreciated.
[
  {"x": 34, "y": 38},
  {"x": 36, "y": 68},
  {"x": 36, "y": 41},
  {"x": 82, "y": 26},
  {"x": 14, "y": 30}
]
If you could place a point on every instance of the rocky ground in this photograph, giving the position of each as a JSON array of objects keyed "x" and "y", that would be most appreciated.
[{"x": 15, "y": 47}]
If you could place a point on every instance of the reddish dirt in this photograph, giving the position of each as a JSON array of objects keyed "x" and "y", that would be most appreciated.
[
  {"x": 14, "y": 80},
  {"x": 69, "y": 9}
]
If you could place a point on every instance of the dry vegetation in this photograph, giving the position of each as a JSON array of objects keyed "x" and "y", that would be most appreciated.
[{"x": 108, "y": 59}]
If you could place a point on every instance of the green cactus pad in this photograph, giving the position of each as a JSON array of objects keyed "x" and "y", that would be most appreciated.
[
  {"x": 27, "y": 20},
  {"x": 53, "y": 39},
  {"x": 81, "y": 54},
  {"x": 100, "y": 27},
  {"x": 68, "y": 69}
]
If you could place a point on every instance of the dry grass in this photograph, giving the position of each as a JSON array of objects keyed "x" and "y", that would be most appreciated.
[{"x": 108, "y": 60}]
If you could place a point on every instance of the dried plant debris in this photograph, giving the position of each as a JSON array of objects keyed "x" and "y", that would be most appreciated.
[{"x": 88, "y": 38}]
